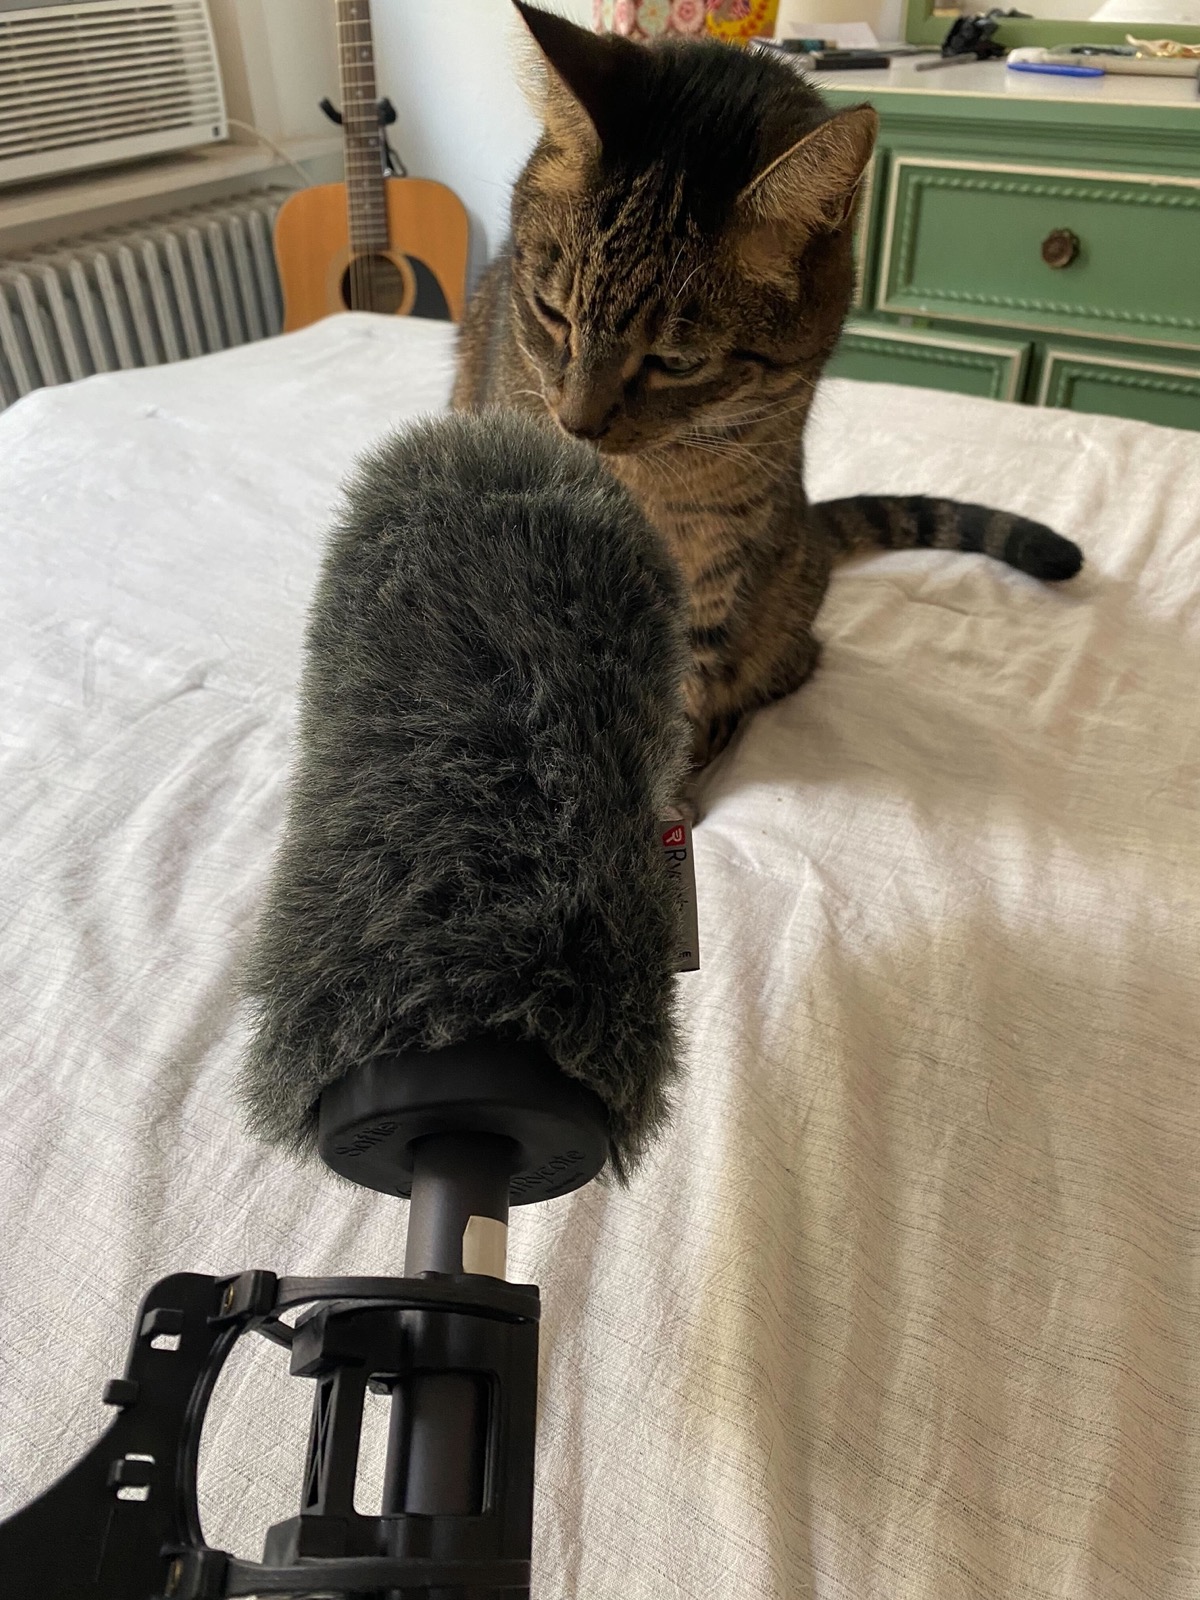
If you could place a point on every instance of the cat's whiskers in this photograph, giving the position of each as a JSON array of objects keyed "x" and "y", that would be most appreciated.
[
  {"x": 725, "y": 438},
  {"x": 771, "y": 452},
  {"x": 765, "y": 411},
  {"x": 756, "y": 462},
  {"x": 728, "y": 452},
  {"x": 678, "y": 293},
  {"x": 663, "y": 456},
  {"x": 775, "y": 425},
  {"x": 776, "y": 407}
]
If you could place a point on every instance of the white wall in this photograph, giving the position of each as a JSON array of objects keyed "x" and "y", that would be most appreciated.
[
  {"x": 278, "y": 58},
  {"x": 450, "y": 67},
  {"x": 803, "y": 18}
]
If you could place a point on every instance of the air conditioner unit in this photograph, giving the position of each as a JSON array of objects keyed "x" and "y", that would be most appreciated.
[{"x": 102, "y": 81}]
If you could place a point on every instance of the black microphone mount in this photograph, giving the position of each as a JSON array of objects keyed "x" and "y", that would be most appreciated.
[{"x": 465, "y": 1133}]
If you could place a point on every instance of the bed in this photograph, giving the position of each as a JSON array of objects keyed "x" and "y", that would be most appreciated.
[{"x": 907, "y": 1304}]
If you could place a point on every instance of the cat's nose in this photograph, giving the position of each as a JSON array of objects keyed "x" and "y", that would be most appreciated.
[
  {"x": 586, "y": 428},
  {"x": 586, "y": 416}
]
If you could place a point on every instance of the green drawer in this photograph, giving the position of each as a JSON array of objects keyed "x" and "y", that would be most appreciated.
[
  {"x": 1164, "y": 394},
  {"x": 993, "y": 368},
  {"x": 964, "y": 239}
]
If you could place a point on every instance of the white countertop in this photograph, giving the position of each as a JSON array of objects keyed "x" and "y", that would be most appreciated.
[{"x": 993, "y": 79}]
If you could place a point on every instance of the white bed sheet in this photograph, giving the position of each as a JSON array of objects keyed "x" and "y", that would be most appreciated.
[{"x": 907, "y": 1304}]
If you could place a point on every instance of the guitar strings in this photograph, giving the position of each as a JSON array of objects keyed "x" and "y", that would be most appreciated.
[
  {"x": 365, "y": 284},
  {"x": 369, "y": 279},
  {"x": 361, "y": 278}
]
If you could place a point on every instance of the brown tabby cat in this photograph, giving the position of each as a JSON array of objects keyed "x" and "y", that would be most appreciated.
[{"x": 679, "y": 270}]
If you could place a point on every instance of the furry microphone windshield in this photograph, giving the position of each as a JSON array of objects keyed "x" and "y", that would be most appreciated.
[{"x": 491, "y": 723}]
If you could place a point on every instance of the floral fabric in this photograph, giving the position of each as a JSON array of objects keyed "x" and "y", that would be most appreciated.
[{"x": 648, "y": 19}]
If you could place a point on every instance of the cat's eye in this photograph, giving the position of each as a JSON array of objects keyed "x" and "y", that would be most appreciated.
[
  {"x": 756, "y": 359},
  {"x": 548, "y": 313},
  {"x": 676, "y": 364}
]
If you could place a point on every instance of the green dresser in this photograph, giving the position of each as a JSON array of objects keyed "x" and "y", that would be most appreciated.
[{"x": 1031, "y": 238}]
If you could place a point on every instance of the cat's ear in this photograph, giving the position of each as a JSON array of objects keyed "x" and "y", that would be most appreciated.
[
  {"x": 813, "y": 184},
  {"x": 576, "y": 86}
]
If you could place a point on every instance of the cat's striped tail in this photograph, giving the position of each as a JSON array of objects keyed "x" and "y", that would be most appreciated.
[{"x": 894, "y": 522}]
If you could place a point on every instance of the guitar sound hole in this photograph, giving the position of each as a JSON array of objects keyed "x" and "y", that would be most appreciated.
[{"x": 373, "y": 283}]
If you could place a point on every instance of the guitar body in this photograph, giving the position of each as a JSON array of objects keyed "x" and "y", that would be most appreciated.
[{"x": 321, "y": 275}]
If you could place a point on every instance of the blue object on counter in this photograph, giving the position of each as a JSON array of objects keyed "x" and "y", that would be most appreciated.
[{"x": 1056, "y": 71}]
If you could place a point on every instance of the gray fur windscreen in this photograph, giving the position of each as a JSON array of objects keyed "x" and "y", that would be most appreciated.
[{"x": 491, "y": 721}]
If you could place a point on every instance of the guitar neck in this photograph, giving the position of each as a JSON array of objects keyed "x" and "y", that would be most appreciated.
[{"x": 362, "y": 135}]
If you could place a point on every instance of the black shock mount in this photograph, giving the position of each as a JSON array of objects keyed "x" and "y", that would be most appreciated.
[{"x": 452, "y": 1345}]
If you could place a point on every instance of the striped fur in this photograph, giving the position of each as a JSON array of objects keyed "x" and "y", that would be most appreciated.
[
  {"x": 917, "y": 522},
  {"x": 678, "y": 273}
]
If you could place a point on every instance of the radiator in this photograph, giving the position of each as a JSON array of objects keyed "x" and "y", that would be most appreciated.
[{"x": 175, "y": 286}]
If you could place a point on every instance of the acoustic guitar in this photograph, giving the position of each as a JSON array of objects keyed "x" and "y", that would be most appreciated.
[{"x": 373, "y": 243}]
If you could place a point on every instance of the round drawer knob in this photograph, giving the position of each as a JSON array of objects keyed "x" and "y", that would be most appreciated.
[{"x": 1060, "y": 248}]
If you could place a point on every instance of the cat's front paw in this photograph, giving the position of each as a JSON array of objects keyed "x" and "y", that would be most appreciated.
[{"x": 686, "y": 807}]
